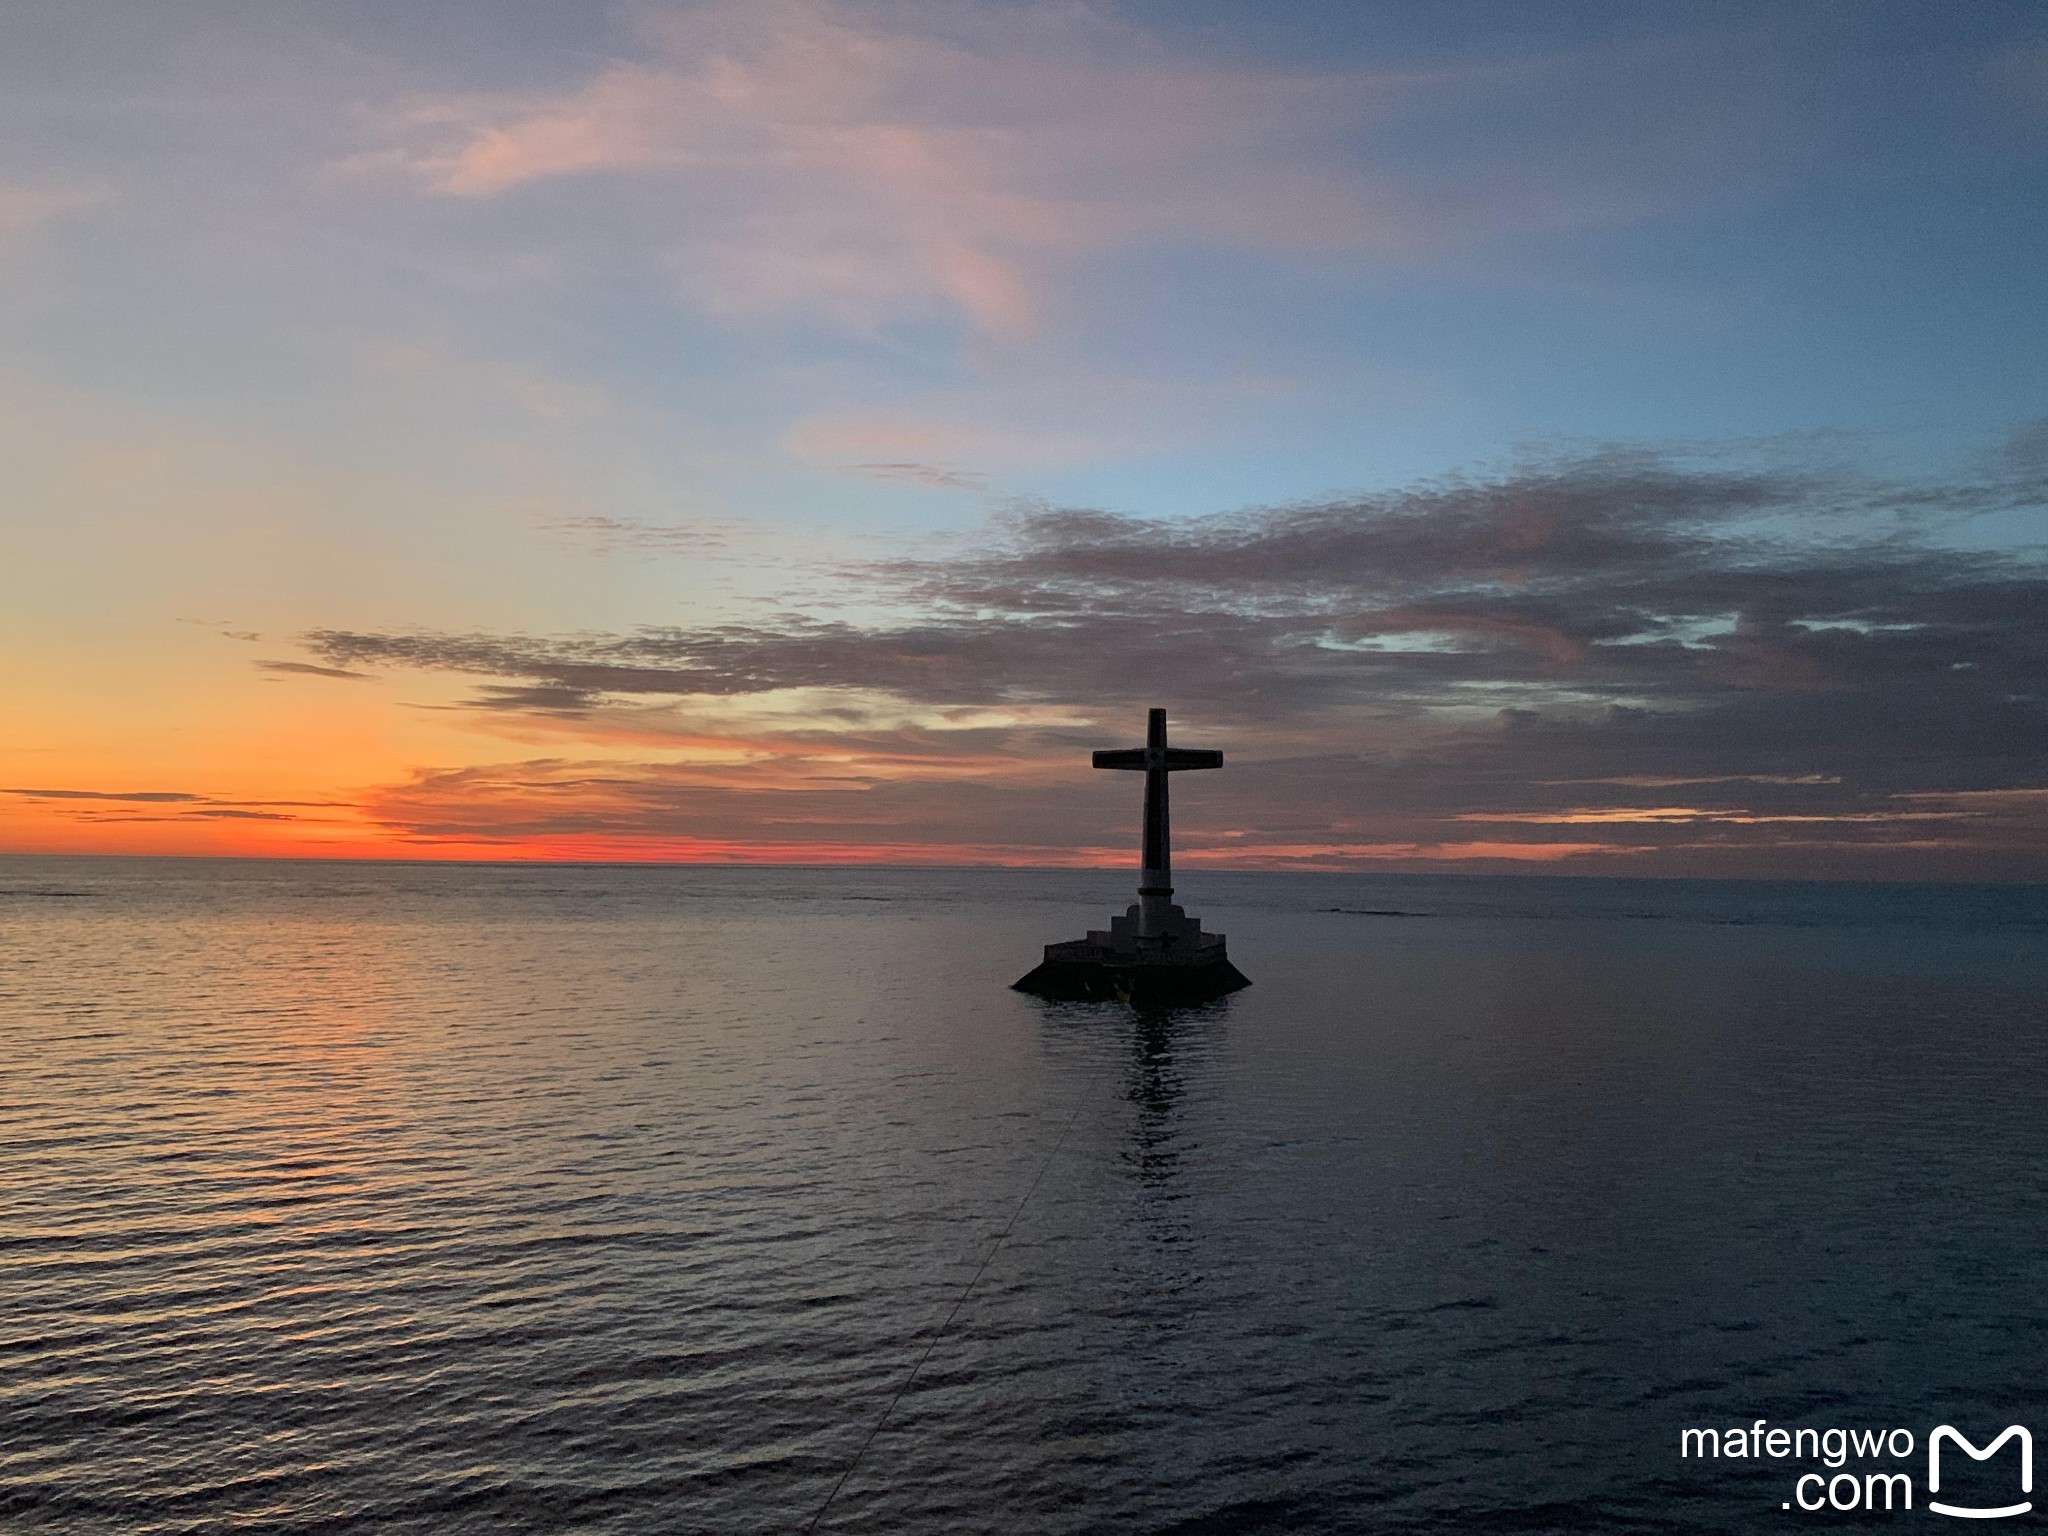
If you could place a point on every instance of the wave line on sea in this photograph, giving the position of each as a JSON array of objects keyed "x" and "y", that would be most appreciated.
[{"x": 1080, "y": 1101}]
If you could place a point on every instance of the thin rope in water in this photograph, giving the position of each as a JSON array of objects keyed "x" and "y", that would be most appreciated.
[{"x": 959, "y": 1301}]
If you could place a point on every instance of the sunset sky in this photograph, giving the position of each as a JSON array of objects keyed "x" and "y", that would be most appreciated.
[{"x": 1588, "y": 438}]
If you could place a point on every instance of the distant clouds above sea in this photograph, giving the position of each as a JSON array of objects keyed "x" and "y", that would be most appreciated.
[{"x": 1609, "y": 657}]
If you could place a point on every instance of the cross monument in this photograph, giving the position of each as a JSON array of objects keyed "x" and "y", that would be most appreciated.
[
  {"x": 1153, "y": 954},
  {"x": 1156, "y": 760}
]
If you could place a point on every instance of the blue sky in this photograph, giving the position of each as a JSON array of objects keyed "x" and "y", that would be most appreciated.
[{"x": 544, "y": 321}]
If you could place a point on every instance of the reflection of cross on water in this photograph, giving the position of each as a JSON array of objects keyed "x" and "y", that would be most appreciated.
[
  {"x": 1163, "y": 1067},
  {"x": 1155, "y": 1092},
  {"x": 1157, "y": 759}
]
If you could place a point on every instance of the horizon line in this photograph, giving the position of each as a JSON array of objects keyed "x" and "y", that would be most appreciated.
[{"x": 1513, "y": 870}]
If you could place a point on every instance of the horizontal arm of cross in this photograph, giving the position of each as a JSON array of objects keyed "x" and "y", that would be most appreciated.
[{"x": 1172, "y": 759}]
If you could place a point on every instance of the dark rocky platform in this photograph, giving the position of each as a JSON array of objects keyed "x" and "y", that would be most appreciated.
[{"x": 1183, "y": 965}]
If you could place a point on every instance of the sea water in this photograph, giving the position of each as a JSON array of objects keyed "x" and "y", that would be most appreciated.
[{"x": 418, "y": 1198}]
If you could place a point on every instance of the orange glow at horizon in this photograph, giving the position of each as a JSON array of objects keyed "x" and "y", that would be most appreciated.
[
  {"x": 212, "y": 749},
  {"x": 54, "y": 832}
]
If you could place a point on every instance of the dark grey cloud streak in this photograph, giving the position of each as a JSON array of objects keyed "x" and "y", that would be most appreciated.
[
  {"x": 1796, "y": 670},
  {"x": 170, "y": 805}
]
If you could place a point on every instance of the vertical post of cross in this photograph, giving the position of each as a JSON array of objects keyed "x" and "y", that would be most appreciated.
[{"x": 1155, "y": 870}]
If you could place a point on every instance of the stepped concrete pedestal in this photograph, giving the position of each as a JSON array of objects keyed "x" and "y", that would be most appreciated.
[{"x": 1153, "y": 954}]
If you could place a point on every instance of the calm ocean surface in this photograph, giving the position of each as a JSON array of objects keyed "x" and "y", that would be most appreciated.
[{"x": 442, "y": 1199}]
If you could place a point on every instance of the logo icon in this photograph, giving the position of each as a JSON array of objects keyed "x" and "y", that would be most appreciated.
[{"x": 1950, "y": 1432}]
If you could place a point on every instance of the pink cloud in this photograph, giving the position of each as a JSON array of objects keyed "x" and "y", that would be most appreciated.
[
  {"x": 1034, "y": 416},
  {"x": 875, "y": 165},
  {"x": 841, "y": 164},
  {"x": 1281, "y": 855},
  {"x": 24, "y": 208}
]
